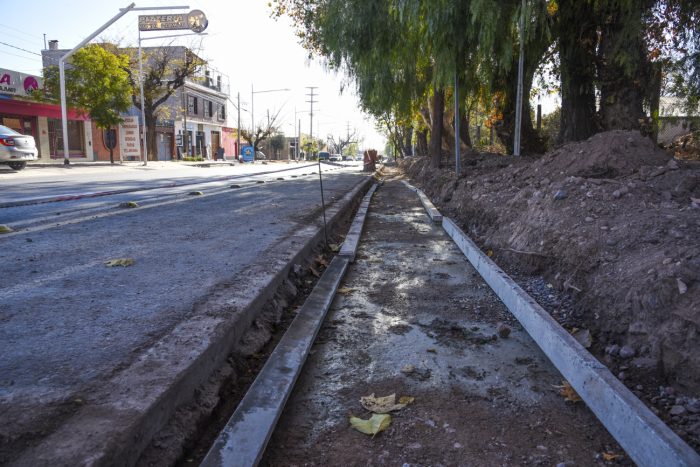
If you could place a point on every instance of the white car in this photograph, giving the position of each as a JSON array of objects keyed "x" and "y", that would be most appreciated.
[
  {"x": 16, "y": 149},
  {"x": 335, "y": 158}
]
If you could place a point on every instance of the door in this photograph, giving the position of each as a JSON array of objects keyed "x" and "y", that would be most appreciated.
[
  {"x": 215, "y": 143},
  {"x": 165, "y": 143}
]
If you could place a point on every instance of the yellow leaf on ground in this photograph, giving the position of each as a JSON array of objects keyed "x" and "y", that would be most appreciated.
[
  {"x": 377, "y": 423},
  {"x": 124, "y": 262},
  {"x": 406, "y": 400},
  {"x": 5, "y": 229},
  {"x": 568, "y": 392},
  {"x": 345, "y": 290},
  {"x": 384, "y": 404},
  {"x": 489, "y": 253},
  {"x": 610, "y": 456}
]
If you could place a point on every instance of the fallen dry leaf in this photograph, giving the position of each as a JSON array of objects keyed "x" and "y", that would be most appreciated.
[
  {"x": 377, "y": 423},
  {"x": 5, "y": 229},
  {"x": 334, "y": 247},
  {"x": 489, "y": 253},
  {"x": 568, "y": 392},
  {"x": 124, "y": 262},
  {"x": 406, "y": 400},
  {"x": 384, "y": 404},
  {"x": 408, "y": 369},
  {"x": 314, "y": 271},
  {"x": 609, "y": 456},
  {"x": 129, "y": 205},
  {"x": 345, "y": 290},
  {"x": 322, "y": 261}
]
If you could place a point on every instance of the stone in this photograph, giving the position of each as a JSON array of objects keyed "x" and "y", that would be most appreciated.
[
  {"x": 616, "y": 194},
  {"x": 627, "y": 352},
  {"x": 503, "y": 330},
  {"x": 612, "y": 349},
  {"x": 677, "y": 410},
  {"x": 682, "y": 287},
  {"x": 560, "y": 194}
]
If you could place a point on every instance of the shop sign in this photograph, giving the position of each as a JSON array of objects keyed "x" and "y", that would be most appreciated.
[
  {"x": 129, "y": 143},
  {"x": 18, "y": 84},
  {"x": 195, "y": 20}
]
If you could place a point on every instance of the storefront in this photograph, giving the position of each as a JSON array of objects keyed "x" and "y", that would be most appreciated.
[{"x": 42, "y": 121}]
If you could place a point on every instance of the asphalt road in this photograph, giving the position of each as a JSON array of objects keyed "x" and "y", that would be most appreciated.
[{"x": 67, "y": 321}]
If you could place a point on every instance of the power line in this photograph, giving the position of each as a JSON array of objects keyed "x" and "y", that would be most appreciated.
[{"x": 20, "y": 48}]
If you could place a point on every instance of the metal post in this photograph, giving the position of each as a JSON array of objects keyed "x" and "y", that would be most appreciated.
[
  {"x": 519, "y": 98},
  {"x": 252, "y": 119},
  {"x": 185, "y": 133},
  {"x": 143, "y": 108},
  {"x": 298, "y": 139},
  {"x": 62, "y": 76},
  {"x": 458, "y": 148},
  {"x": 238, "y": 128}
]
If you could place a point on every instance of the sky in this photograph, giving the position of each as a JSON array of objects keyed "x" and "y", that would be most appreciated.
[{"x": 242, "y": 41}]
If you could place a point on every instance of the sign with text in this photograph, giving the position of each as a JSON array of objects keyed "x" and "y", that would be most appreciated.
[
  {"x": 195, "y": 20},
  {"x": 129, "y": 143},
  {"x": 18, "y": 84}
]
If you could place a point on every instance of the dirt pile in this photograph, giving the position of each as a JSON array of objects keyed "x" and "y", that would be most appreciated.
[
  {"x": 687, "y": 146},
  {"x": 614, "y": 222}
]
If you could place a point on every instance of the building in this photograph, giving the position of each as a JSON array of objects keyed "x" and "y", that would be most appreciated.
[
  {"x": 41, "y": 120},
  {"x": 199, "y": 106}
]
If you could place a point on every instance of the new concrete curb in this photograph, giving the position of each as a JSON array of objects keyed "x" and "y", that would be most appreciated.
[
  {"x": 352, "y": 240},
  {"x": 138, "y": 401},
  {"x": 242, "y": 442},
  {"x": 645, "y": 438},
  {"x": 430, "y": 208}
]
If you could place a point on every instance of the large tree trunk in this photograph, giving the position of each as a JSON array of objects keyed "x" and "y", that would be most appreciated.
[
  {"x": 436, "y": 130},
  {"x": 151, "y": 135},
  {"x": 422, "y": 143},
  {"x": 623, "y": 69},
  {"x": 407, "y": 142},
  {"x": 464, "y": 130},
  {"x": 577, "y": 48}
]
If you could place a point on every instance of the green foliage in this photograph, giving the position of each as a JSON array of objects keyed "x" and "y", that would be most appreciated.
[{"x": 96, "y": 83}]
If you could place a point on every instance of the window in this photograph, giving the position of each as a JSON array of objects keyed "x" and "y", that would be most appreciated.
[
  {"x": 221, "y": 114},
  {"x": 192, "y": 105},
  {"x": 207, "y": 109}
]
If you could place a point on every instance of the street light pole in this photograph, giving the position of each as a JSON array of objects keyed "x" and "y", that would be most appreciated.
[
  {"x": 238, "y": 128},
  {"x": 62, "y": 77}
]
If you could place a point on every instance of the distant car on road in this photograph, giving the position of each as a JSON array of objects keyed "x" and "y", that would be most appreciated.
[
  {"x": 16, "y": 149},
  {"x": 323, "y": 156},
  {"x": 335, "y": 158}
]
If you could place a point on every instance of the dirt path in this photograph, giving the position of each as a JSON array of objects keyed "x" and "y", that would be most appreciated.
[{"x": 420, "y": 322}]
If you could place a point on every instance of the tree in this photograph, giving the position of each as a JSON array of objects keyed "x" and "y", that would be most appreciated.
[
  {"x": 337, "y": 144},
  {"x": 97, "y": 83},
  {"x": 165, "y": 71},
  {"x": 277, "y": 143},
  {"x": 262, "y": 132}
]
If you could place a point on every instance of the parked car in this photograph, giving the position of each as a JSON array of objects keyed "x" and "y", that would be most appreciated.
[
  {"x": 16, "y": 149},
  {"x": 260, "y": 156},
  {"x": 335, "y": 158},
  {"x": 347, "y": 158},
  {"x": 323, "y": 155}
]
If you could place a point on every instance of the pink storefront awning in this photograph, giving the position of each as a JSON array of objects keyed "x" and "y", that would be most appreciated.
[{"x": 33, "y": 109}]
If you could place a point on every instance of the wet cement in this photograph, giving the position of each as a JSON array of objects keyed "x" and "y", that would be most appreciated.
[{"x": 419, "y": 321}]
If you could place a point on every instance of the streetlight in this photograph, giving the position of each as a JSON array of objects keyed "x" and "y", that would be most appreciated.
[
  {"x": 252, "y": 94},
  {"x": 62, "y": 77}
]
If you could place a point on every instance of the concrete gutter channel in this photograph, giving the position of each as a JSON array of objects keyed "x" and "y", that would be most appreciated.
[
  {"x": 76, "y": 196},
  {"x": 243, "y": 440},
  {"x": 137, "y": 402},
  {"x": 645, "y": 438}
]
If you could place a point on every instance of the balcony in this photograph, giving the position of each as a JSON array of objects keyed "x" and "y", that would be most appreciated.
[{"x": 212, "y": 79}]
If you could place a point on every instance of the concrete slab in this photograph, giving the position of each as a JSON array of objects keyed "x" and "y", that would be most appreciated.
[{"x": 352, "y": 239}]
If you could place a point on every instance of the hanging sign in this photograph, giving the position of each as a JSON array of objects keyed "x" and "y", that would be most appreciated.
[{"x": 195, "y": 20}]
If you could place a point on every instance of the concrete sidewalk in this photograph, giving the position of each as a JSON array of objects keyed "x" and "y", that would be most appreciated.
[{"x": 414, "y": 318}]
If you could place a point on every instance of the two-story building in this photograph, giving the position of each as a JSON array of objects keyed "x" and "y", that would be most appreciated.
[{"x": 199, "y": 106}]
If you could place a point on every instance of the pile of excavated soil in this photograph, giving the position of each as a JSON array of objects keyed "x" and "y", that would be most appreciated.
[{"x": 613, "y": 222}]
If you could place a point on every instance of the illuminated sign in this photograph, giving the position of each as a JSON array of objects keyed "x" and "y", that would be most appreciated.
[{"x": 195, "y": 20}]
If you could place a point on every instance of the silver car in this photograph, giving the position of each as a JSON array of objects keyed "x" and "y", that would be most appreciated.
[{"x": 16, "y": 149}]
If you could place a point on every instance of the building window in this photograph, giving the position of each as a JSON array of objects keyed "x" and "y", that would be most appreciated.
[
  {"x": 207, "y": 109},
  {"x": 192, "y": 105},
  {"x": 222, "y": 112}
]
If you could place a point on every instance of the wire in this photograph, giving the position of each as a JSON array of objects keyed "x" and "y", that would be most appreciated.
[{"x": 20, "y": 48}]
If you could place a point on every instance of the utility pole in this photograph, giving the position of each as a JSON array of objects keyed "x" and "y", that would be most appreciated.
[
  {"x": 519, "y": 94},
  {"x": 298, "y": 139},
  {"x": 238, "y": 128},
  {"x": 312, "y": 102}
]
